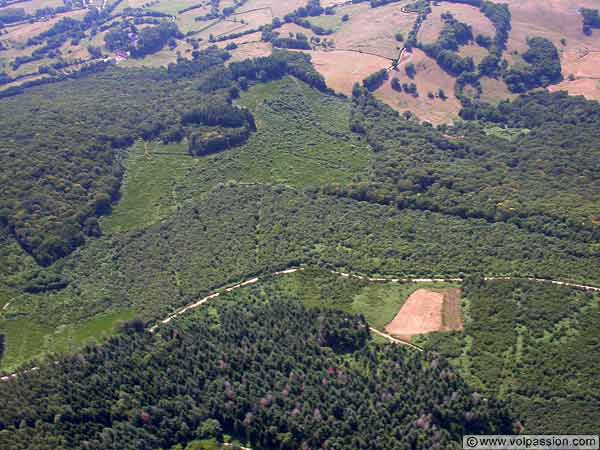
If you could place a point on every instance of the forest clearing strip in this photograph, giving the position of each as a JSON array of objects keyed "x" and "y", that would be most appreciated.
[{"x": 251, "y": 281}]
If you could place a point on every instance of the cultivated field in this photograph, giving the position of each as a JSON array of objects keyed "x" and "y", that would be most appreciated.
[{"x": 426, "y": 311}]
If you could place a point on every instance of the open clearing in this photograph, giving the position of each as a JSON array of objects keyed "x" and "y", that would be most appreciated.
[
  {"x": 430, "y": 78},
  {"x": 427, "y": 311},
  {"x": 342, "y": 69}
]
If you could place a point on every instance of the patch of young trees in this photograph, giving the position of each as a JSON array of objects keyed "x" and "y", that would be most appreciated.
[
  {"x": 543, "y": 69},
  {"x": 591, "y": 20},
  {"x": 375, "y": 80}
]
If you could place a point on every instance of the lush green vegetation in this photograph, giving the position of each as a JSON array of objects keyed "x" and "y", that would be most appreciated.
[
  {"x": 149, "y": 39},
  {"x": 543, "y": 67},
  {"x": 271, "y": 372},
  {"x": 317, "y": 288},
  {"x": 534, "y": 345},
  {"x": 63, "y": 139},
  {"x": 544, "y": 181},
  {"x": 238, "y": 230}
]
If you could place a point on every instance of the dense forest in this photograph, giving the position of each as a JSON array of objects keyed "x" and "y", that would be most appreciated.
[
  {"x": 543, "y": 67},
  {"x": 64, "y": 139},
  {"x": 270, "y": 373},
  {"x": 237, "y": 231},
  {"x": 534, "y": 181}
]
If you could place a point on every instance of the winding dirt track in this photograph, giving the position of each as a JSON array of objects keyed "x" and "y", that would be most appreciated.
[{"x": 217, "y": 293}]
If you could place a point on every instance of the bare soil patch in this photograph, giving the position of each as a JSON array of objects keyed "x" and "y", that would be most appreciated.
[
  {"x": 427, "y": 311},
  {"x": 420, "y": 314},
  {"x": 430, "y": 78}
]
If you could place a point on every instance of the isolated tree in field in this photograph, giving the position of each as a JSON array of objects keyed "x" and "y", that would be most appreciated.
[
  {"x": 396, "y": 84},
  {"x": 442, "y": 94},
  {"x": 411, "y": 70},
  {"x": 399, "y": 37}
]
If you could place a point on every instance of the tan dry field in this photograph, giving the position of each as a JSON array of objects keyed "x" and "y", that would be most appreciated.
[
  {"x": 20, "y": 34},
  {"x": 373, "y": 29},
  {"x": 254, "y": 19},
  {"x": 186, "y": 20},
  {"x": 430, "y": 77},
  {"x": 431, "y": 28},
  {"x": 474, "y": 51},
  {"x": 494, "y": 90},
  {"x": 287, "y": 28},
  {"x": 280, "y": 7},
  {"x": 427, "y": 311},
  {"x": 250, "y": 50},
  {"x": 554, "y": 20},
  {"x": 328, "y": 3},
  {"x": 342, "y": 69},
  {"x": 33, "y": 5}
]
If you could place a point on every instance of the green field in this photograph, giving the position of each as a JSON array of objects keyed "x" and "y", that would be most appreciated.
[
  {"x": 28, "y": 339},
  {"x": 378, "y": 302}
]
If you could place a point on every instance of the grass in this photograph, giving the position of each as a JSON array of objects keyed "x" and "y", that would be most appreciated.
[
  {"x": 149, "y": 191},
  {"x": 378, "y": 302},
  {"x": 27, "y": 339},
  {"x": 510, "y": 134}
]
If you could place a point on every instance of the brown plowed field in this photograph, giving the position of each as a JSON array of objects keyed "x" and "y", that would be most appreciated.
[
  {"x": 451, "y": 314},
  {"x": 427, "y": 311}
]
